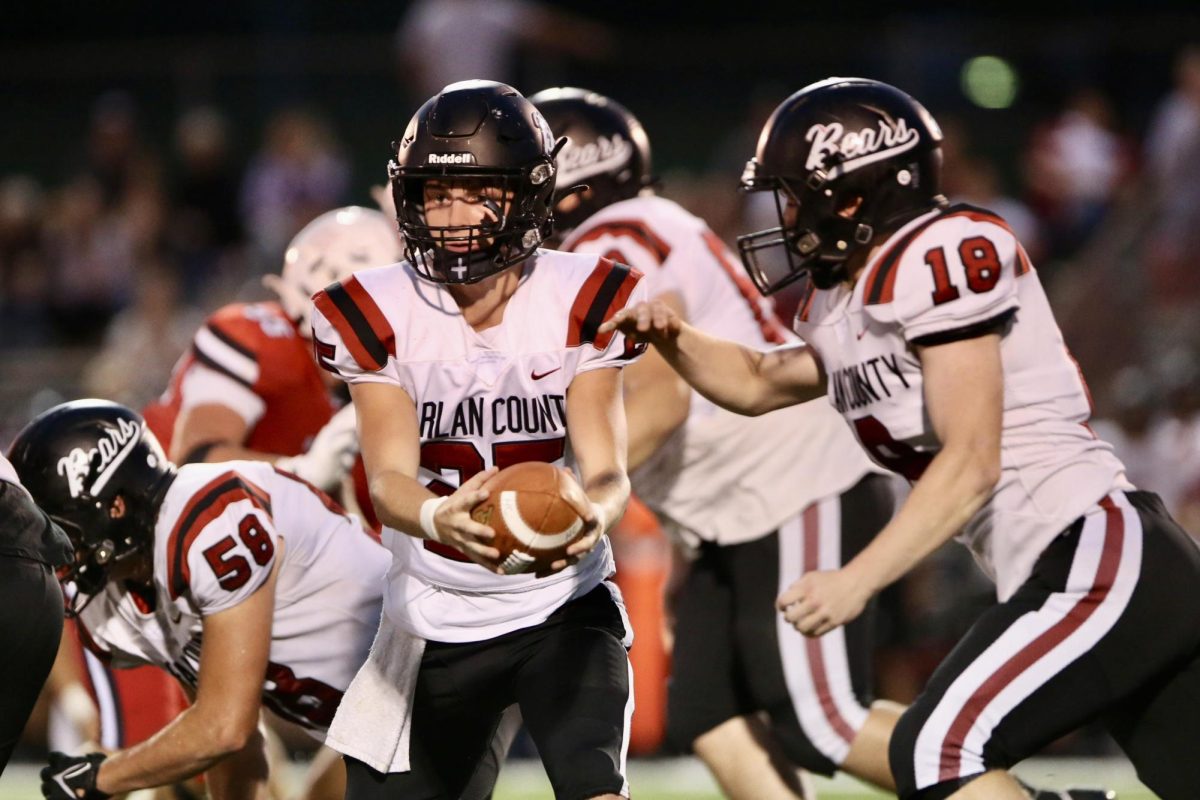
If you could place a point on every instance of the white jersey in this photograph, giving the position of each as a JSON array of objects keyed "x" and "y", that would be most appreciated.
[
  {"x": 217, "y": 537},
  {"x": 948, "y": 275},
  {"x": 486, "y": 399},
  {"x": 722, "y": 477}
]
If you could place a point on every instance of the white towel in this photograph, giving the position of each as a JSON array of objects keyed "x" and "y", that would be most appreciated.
[{"x": 374, "y": 721}]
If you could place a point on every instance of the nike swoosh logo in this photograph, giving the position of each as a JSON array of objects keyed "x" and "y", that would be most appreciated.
[
  {"x": 534, "y": 374},
  {"x": 69, "y": 773}
]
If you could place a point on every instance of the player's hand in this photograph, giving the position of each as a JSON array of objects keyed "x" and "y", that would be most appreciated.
[
  {"x": 331, "y": 455},
  {"x": 594, "y": 525},
  {"x": 655, "y": 323},
  {"x": 822, "y": 601},
  {"x": 73, "y": 777},
  {"x": 455, "y": 527}
]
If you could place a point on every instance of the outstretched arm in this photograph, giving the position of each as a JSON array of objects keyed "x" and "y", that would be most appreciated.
[{"x": 735, "y": 377}]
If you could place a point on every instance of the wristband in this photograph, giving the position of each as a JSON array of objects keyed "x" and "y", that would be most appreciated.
[{"x": 428, "y": 509}]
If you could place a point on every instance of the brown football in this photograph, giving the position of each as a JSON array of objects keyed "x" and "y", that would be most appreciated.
[{"x": 533, "y": 523}]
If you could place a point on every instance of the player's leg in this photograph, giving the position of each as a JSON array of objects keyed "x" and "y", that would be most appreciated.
[
  {"x": 325, "y": 777},
  {"x": 815, "y": 690},
  {"x": 575, "y": 689},
  {"x": 483, "y": 782},
  {"x": 748, "y": 763},
  {"x": 705, "y": 706},
  {"x": 461, "y": 691},
  {"x": 31, "y": 622},
  {"x": 1053, "y": 656},
  {"x": 1159, "y": 727},
  {"x": 706, "y": 711}
]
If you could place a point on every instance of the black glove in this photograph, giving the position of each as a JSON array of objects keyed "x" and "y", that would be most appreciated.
[{"x": 67, "y": 776}]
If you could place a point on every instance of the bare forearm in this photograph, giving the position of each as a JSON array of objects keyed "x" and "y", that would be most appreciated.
[
  {"x": 952, "y": 490},
  {"x": 189, "y": 745},
  {"x": 397, "y": 499},
  {"x": 610, "y": 491},
  {"x": 739, "y": 378}
]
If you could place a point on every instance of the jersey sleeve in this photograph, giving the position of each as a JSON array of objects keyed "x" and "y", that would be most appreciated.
[
  {"x": 224, "y": 544},
  {"x": 610, "y": 287},
  {"x": 957, "y": 278},
  {"x": 201, "y": 385},
  {"x": 351, "y": 336},
  {"x": 635, "y": 243},
  {"x": 230, "y": 345}
]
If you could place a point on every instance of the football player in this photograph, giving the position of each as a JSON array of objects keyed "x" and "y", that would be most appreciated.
[
  {"x": 481, "y": 350},
  {"x": 928, "y": 328},
  {"x": 751, "y": 500},
  {"x": 249, "y": 386},
  {"x": 247, "y": 584},
  {"x": 31, "y": 547}
]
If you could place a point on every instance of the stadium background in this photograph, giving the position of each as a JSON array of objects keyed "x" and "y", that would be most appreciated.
[{"x": 155, "y": 159}]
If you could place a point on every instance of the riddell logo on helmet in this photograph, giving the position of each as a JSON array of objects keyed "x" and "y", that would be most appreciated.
[
  {"x": 858, "y": 148},
  {"x": 450, "y": 158}
]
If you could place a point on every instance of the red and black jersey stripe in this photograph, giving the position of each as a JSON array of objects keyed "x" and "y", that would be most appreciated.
[
  {"x": 233, "y": 344},
  {"x": 363, "y": 327},
  {"x": 604, "y": 293},
  {"x": 205, "y": 506},
  {"x": 634, "y": 229},
  {"x": 881, "y": 281}
]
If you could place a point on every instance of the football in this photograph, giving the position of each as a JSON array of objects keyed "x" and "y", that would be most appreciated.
[{"x": 533, "y": 523}]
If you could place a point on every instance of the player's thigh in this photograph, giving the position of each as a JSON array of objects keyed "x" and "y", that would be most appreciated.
[
  {"x": 576, "y": 694},
  {"x": 702, "y": 692},
  {"x": 1058, "y": 653},
  {"x": 815, "y": 690},
  {"x": 457, "y": 705},
  {"x": 1159, "y": 728}
]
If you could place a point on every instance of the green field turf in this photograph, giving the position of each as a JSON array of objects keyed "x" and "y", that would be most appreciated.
[{"x": 684, "y": 779}]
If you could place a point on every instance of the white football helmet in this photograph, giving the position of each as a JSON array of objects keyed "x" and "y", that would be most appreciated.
[{"x": 328, "y": 249}]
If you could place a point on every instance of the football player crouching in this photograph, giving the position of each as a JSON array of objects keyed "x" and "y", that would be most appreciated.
[{"x": 247, "y": 584}]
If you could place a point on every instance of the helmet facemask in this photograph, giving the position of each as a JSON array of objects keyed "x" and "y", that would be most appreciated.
[
  {"x": 515, "y": 219},
  {"x": 819, "y": 229},
  {"x": 96, "y": 555}
]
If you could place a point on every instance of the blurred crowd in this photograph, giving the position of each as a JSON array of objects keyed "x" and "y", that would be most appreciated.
[{"x": 106, "y": 274}]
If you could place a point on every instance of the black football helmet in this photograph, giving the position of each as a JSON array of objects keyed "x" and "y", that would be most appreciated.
[
  {"x": 484, "y": 131},
  {"x": 607, "y": 149},
  {"x": 856, "y": 158},
  {"x": 76, "y": 459}
]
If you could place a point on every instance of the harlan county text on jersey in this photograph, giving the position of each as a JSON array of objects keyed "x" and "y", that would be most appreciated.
[
  {"x": 866, "y": 382},
  {"x": 479, "y": 416}
]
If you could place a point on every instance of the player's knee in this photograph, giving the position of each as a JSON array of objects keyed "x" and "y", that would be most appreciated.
[
  {"x": 902, "y": 751},
  {"x": 920, "y": 759},
  {"x": 811, "y": 741}
]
